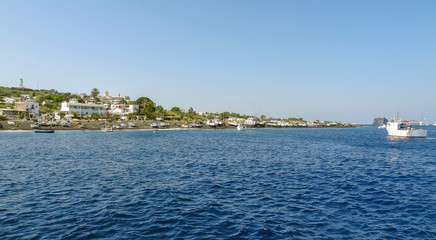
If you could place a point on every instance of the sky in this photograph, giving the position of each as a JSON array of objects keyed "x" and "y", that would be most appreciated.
[{"x": 348, "y": 61}]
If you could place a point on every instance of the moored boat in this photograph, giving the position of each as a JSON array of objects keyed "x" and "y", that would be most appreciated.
[
  {"x": 43, "y": 130},
  {"x": 107, "y": 127},
  {"x": 212, "y": 123},
  {"x": 241, "y": 127}
]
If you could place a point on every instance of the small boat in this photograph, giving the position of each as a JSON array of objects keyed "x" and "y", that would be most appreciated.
[
  {"x": 155, "y": 125},
  {"x": 403, "y": 128},
  {"x": 241, "y": 127},
  {"x": 233, "y": 123},
  {"x": 163, "y": 125},
  {"x": 250, "y": 122},
  {"x": 33, "y": 126},
  {"x": 43, "y": 130},
  {"x": 197, "y": 124},
  {"x": 382, "y": 126},
  {"x": 212, "y": 123},
  {"x": 106, "y": 128}
]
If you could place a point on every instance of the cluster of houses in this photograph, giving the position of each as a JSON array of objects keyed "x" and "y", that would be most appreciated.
[{"x": 28, "y": 107}]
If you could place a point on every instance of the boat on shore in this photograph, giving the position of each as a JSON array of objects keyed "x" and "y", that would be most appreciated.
[
  {"x": 212, "y": 123},
  {"x": 43, "y": 130},
  {"x": 241, "y": 127},
  {"x": 403, "y": 128},
  {"x": 106, "y": 128}
]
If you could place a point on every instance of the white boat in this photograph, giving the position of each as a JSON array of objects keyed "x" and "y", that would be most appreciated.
[
  {"x": 197, "y": 124},
  {"x": 212, "y": 123},
  {"x": 382, "y": 126},
  {"x": 106, "y": 128},
  {"x": 403, "y": 128},
  {"x": 163, "y": 125},
  {"x": 233, "y": 123},
  {"x": 250, "y": 122},
  {"x": 241, "y": 127}
]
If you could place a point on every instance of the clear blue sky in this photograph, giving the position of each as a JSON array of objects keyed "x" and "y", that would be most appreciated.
[{"x": 346, "y": 60}]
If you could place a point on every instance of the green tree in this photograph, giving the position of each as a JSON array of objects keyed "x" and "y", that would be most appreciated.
[
  {"x": 191, "y": 111},
  {"x": 107, "y": 115},
  {"x": 146, "y": 107},
  {"x": 224, "y": 115},
  {"x": 94, "y": 94},
  {"x": 57, "y": 98},
  {"x": 176, "y": 110},
  {"x": 160, "y": 111},
  {"x": 95, "y": 116}
]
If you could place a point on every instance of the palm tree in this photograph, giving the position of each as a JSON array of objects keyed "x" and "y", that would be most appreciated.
[{"x": 94, "y": 94}]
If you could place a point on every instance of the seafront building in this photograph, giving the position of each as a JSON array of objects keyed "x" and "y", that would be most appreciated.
[
  {"x": 83, "y": 108},
  {"x": 123, "y": 109},
  {"x": 11, "y": 113},
  {"x": 31, "y": 108}
]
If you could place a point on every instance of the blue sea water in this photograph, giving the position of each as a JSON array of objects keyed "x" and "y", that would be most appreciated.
[{"x": 352, "y": 183}]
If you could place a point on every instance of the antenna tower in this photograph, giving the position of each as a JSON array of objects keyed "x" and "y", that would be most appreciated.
[{"x": 21, "y": 83}]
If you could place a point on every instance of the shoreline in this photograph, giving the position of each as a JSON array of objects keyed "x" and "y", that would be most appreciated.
[{"x": 141, "y": 125}]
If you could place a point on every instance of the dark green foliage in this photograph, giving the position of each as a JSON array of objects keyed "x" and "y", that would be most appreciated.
[{"x": 146, "y": 107}]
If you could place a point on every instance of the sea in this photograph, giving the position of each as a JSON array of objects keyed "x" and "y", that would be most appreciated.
[{"x": 321, "y": 183}]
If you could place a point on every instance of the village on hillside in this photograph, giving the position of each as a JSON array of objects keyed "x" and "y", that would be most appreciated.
[{"x": 39, "y": 108}]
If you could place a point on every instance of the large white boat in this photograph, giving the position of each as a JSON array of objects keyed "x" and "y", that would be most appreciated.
[{"x": 397, "y": 128}]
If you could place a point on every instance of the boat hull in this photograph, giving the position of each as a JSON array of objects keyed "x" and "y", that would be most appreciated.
[
  {"x": 43, "y": 131},
  {"x": 404, "y": 130},
  {"x": 408, "y": 133}
]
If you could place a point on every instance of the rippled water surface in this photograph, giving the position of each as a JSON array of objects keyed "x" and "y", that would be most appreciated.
[{"x": 217, "y": 184}]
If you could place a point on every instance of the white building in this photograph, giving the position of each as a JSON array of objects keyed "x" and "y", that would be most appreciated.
[
  {"x": 11, "y": 100},
  {"x": 10, "y": 113},
  {"x": 83, "y": 108},
  {"x": 123, "y": 109},
  {"x": 32, "y": 108},
  {"x": 132, "y": 108}
]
